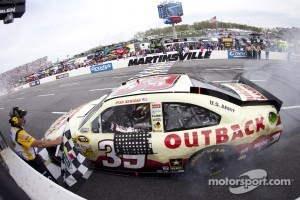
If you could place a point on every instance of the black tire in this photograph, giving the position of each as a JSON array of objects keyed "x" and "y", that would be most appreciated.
[
  {"x": 55, "y": 160},
  {"x": 211, "y": 160}
]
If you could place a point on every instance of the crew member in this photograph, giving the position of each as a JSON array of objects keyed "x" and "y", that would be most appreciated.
[
  {"x": 180, "y": 53},
  {"x": 25, "y": 145}
]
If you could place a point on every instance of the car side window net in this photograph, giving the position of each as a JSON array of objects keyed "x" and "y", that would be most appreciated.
[
  {"x": 181, "y": 116},
  {"x": 126, "y": 118}
]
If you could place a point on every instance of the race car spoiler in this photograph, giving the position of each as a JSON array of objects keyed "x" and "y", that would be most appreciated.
[{"x": 270, "y": 99}]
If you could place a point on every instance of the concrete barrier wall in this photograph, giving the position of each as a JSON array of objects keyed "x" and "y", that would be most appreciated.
[
  {"x": 123, "y": 63},
  {"x": 35, "y": 185},
  {"x": 275, "y": 55}
]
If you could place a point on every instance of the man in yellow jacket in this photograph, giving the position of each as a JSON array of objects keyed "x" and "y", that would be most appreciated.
[{"x": 25, "y": 145}]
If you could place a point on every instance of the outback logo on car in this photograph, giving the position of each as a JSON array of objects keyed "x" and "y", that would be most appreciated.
[{"x": 222, "y": 135}]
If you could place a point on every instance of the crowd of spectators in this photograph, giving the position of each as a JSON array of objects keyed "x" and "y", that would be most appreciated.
[
  {"x": 280, "y": 39},
  {"x": 18, "y": 75}
]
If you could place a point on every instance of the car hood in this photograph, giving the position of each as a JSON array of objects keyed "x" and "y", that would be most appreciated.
[{"x": 75, "y": 117}]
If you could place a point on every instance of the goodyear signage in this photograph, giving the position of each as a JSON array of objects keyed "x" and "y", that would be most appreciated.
[
  {"x": 237, "y": 54},
  {"x": 102, "y": 67}
]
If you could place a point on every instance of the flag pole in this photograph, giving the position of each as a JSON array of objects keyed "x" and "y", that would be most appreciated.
[{"x": 59, "y": 146}]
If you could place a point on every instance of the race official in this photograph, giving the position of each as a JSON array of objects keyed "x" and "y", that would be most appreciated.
[{"x": 25, "y": 145}]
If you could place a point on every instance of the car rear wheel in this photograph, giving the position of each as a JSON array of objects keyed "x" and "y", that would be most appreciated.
[{"x": 212, "y": 160}]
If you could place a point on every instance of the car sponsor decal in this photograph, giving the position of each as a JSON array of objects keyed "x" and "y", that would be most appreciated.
[
  {"x": 156, "y": 119},
  {"x": 176, "y": 164},
  {"x": 258, "y": 144},
  {"x": 134, "y": 143},
  {"x": 112, "y": 160},
  {"x": 154, "y": 111},
  {"x": 244, "y": 151},
  {"x": 242, "y": 154},
  {"x": 83, "y": 139},
  {"x": 85, "y": 130},
  {"x": 275, "y": 137},
  {"x": 165, "y": 168},
  {"x": 156, "y": 116},
  {"x": 214, "y": 136},
  {"x": 222, "y": 106},
  {"x": 131, "y": 101},
  {"x": 155, "y": 105},
  {"x": 88, "y": 153},
  {"x": 157, "y": 125},
  {"x": 152, "y": 83},
  {"x": 86, "y": 150},
  {"x": 246, "y": 91},
  {"x": 242, "y": 157}
]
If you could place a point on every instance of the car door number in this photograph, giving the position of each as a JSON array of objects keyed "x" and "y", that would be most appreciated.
[{"x": 128, "y": 161}]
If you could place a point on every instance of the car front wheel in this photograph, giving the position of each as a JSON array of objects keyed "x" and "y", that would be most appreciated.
[{"x": 55, "y": 160}]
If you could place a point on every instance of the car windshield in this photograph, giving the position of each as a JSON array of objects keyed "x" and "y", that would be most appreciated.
[
  {"x": 202, "y": 83},
  {"x": 93, "y": 111}
]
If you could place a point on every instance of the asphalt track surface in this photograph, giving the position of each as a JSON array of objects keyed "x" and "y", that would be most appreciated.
[{"x": 45, "y": 103}]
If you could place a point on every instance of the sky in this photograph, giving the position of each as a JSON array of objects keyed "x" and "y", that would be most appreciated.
[{"x": 59, "y": 28}]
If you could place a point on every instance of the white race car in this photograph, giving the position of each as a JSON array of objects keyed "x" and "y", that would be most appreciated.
[{"x": 172, "y": 123}]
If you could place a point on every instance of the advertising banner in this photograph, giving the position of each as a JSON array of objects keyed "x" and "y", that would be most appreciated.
[
  {"x": 234, "y": 54},
  {"x": 195, "y": 55},
  {"x": 171, "y": 9},
  {"x": 60, "y": 76},
  {"x": 101, "y": 68},
  {"x": 34, "y": 83}
]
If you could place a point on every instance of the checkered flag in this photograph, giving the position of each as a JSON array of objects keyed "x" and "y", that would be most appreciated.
[{"x": 74, "y": 166}]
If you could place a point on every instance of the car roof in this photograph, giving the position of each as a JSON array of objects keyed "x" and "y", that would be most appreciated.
[
  {"x": 163, "y": 83},
  {"x": 182, "y": 83}
]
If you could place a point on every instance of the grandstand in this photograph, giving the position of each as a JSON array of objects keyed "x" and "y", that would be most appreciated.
[{"x": 16, "y": 76}]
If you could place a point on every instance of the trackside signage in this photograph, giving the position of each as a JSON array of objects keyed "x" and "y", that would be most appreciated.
[
  {"x": 34, "y": 83},
  {"x": 169, "y": 57},
  {"x": 60, "y": 76},
  {"x": 249, "y": 181},
  {"x": 7, "y": 10},
  {"x": 237, "y": 54},
  {"x": 101, "y": 68}
]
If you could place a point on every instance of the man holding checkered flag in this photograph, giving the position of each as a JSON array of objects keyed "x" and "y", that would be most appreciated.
[{"x": 74, "y": 166}]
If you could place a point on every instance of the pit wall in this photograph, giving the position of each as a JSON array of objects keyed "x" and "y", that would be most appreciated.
[{"x": 35, "y": 185}]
